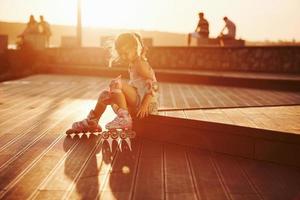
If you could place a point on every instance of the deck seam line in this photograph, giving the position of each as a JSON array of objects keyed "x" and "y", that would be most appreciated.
[
  {"x": 25, "y": 111},
  {"x": 194, "y": 97},
  {"x": 165, "y": 192},
  {"x": 192, "y": 174},
  {"x": 135, "y": 175},
  {"x": 43, "y": 90},
  {"x": 35, "y": 192},
  {"x": 81, "y": 170},
  {"x": 35, "y": 140},
  {"x": 220, "y": 176},
  {"x": 107, "y": 174},
  {"x": 37, "y": 123},
  {"x": 41, "y": 112},
  {"x": 183, "y": 96},
  {"x": 51, "y": 173},
  {"x": 249, "y": 180},
  {"x": 30, "y": 102},
  {"x": 29, "y": 167},
  {"x": 172, "y": 95}
]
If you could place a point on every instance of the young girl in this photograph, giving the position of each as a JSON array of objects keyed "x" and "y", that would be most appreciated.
[{"x": 137, "y": 98}]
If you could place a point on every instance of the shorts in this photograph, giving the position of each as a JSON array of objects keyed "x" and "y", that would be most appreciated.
[{"x": 141, "y": 92}]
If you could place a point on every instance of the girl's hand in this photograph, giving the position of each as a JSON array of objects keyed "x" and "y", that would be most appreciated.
[{"x": 143, "y": 111}]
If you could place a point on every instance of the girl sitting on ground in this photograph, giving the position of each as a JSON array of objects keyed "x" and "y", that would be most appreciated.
[{"x": 137, "y": 98}]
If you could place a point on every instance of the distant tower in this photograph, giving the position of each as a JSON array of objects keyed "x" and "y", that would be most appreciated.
[{"x": 79, "y": 28}]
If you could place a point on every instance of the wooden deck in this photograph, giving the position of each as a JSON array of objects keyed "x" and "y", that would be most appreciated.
[
  {"x": 279, "y": 118},
  {"x": 37, "y": 160}
]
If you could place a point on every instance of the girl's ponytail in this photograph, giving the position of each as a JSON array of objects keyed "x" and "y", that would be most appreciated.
[{"x": 143, "y": 47}]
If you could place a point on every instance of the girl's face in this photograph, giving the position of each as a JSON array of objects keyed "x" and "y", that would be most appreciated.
[{"x": 128, "y": 54}]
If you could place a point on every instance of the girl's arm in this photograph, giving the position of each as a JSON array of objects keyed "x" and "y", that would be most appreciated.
[
  {"x": 144, "y": 109},
  {"x": 143, "y": 69}
]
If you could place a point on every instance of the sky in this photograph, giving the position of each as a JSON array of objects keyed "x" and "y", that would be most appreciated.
[{"x": 256, "y": 20}]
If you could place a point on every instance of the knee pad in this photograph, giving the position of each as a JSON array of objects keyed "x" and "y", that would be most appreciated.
[
  {"x": 115, "y": 85},
  {"x": 105, "y": 97}
]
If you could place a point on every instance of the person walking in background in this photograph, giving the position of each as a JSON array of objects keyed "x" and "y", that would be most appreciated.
[
  {"x": 44, "y": 29},
  {"x": 231, "y": 29},
  {"x": 202, "y": 29}
]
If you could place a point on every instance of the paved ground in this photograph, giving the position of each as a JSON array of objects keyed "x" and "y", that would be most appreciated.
[{"x": 38, "y": 161}]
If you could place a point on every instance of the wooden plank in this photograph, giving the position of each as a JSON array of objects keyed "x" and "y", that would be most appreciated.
[
  {"x": 245, "y": 97},
  {"x": 225, "y": 96},
  {"x": 62, "y": 177},
  {"x": 239, "y": 118},
  {"x": 32, "y": 136},
  {"x": 29, "y": 103},
  {"x": 189, "y": 96},
  {"x": 236, "y": 182},
  {"x": 216, "y": 115},
  {"x": 94, "y": 173},
  {"x": 191, "y": 90},
  {"x": 208, "y": 181},
  {"x": 150, "y": 177},
  {"x": 168, "y": 101},
  {"x": 36, "y": 163},
  {"x": 179, "y": 114},
  {"x": 162, "y": 97},
  {"x": 196, "y": 115},
  {"x": 121, "y": 180},
  {"x": 178, "y": 177},
  {"x": 34, "y": 149},
  {"x": 22, "y": 116},
  {"x": 217, "y": 101},
  {"x": 264, "y": 179},
  {"x": 236, "y": 97},
  {"x": 205, "y": 101}
]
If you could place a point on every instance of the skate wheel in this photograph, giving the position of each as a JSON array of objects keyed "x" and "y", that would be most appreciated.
[
  {"x": 70, "y": 131},
  {"x": 123, "y": 135},
  {"x": 105, "y": 135},
  {"x": 114, "y": 134}
]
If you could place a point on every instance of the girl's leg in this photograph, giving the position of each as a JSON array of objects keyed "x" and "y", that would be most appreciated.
[
  {"x": 99, "y": 108},
  {"x": 123, "y": 97},
  {"x": 127, "y": 97},
  {"x": 130, "y": 95}
]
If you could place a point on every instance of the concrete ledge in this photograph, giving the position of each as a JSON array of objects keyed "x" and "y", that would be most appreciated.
[
  {"x": 273, "y": 146},
  {"x": 176, "y": 76}
]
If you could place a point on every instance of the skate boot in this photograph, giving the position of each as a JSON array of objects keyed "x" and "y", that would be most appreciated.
[
  {"x": 122, "y": 121},
  {"x": 90, "y": 124}
]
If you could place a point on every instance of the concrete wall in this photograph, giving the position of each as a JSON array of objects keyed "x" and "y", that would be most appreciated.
[{"x": 259, "y": 59}]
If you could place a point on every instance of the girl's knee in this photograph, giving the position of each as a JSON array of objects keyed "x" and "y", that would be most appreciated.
[
  {"x": 115, "y": 85},
  {"x": 105, "y": 97}
]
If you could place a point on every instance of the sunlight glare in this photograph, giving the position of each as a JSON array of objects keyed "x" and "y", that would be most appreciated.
[{"x": 113, "y": 13}]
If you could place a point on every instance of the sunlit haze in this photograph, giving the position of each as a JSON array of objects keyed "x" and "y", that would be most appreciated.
[{"x": 255, "y": 19}]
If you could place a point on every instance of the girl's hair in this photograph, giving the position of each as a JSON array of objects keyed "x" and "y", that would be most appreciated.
[{"x": 128, "y": 40}]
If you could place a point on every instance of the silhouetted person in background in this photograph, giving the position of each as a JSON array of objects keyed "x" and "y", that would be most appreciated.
[
  {"x": 45, "y": 30},
  {"x": 202, "y": 29},
  {"x": 231, "y": 29},
  {"x": 31, "y": 28}
]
